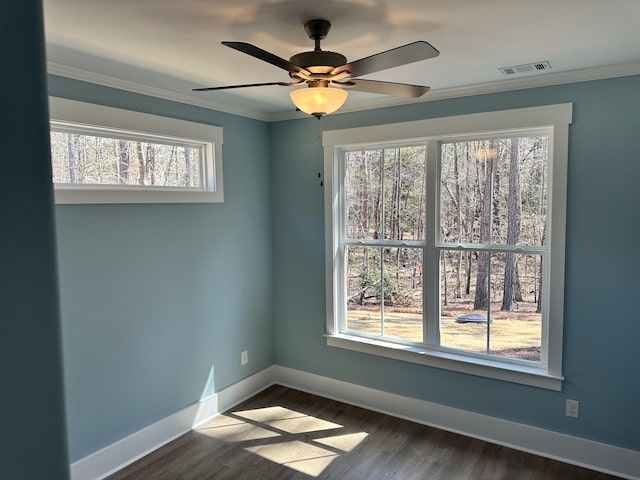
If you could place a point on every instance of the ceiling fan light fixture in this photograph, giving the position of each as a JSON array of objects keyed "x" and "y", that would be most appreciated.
[
  {"x": 483, "y": 154},
  {"x": 318, "y": 101}
]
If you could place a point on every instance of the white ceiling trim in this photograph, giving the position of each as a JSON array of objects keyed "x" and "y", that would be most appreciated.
[
  {"x": 533, "y": 81},
  {"x": 76, "y": 73}
]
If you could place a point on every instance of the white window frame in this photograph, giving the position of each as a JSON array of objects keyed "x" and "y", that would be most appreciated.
[
  {"x": 93, "y": 119},
  {"x": 556, "y": 118}
]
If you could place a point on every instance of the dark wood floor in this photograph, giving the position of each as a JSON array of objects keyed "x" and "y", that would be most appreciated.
[{"x": 287, "y": 434}]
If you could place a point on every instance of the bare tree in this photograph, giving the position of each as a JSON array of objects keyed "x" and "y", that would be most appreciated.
[
  {"x": 481, "y": 299},
  {"x": 142, "y": 173},
  {"x": 459, "y": 221},
  {"x": 72, "y": 145},
  {"x": 517, "y": 286},
  {"x": 513, "y": 223},
  {"x": 190, "y": 164},
  {"x": 123, "y": 162}
]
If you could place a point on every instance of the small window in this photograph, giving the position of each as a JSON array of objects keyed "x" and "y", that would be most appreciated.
[
  {"x": 445, "y": 242},
  {"x": 108, "y": 155}
]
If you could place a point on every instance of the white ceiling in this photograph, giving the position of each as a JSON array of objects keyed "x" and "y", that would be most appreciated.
[{"x": 167, "y": 47}]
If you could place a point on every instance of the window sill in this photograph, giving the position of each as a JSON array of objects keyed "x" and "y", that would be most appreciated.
[
  {"x": 101, "y": 194},
  {"x": 521, "y": 374}
]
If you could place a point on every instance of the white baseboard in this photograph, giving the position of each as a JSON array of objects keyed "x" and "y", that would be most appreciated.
[
  {"x": 566, "y": 448},
  {"x": 597, "y": 456},
  {"x": 112, "y": 458}
]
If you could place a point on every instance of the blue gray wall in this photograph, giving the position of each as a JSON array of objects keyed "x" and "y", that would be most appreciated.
[
  {"x": 33, "y": 443},
  {"x": 156, "y": 297},
  {"x": 602, "y": 325}
]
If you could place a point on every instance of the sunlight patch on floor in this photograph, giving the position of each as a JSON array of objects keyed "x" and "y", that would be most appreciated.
[
  {"x": 269, "y": 414},
  {"x": 287, "y": 420},
  {"x": 230, "y": 429},
  {"x": 287, "y": 437},
  {"x": 346, "y": 443},
  {"x": 300, "y": 456}
]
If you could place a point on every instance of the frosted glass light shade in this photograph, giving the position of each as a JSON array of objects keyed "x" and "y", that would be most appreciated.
[
  {"x": 485, "y": 153},
  {"x": 318, "y": 101}
]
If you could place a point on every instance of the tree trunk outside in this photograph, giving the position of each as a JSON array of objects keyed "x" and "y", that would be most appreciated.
[
  {"x": 377, "y": 214},
  {"x": 513, "y": 224},
  {"x": 517, "y": 286},
  {"x": 456, "y": 173},
  {"x": 481, "y": 300},
  {"x": 394, "y": 215},
  {"x": 173, "y": 158},
  {"x": 188, "y": 158},
  {"x": 123, "y": 162},
  {"x": 72, "y": 144},
  {"x": 143, "y": 168},
  {"x": 467, "y": 287},
  {"x": 151, "y": 164}
]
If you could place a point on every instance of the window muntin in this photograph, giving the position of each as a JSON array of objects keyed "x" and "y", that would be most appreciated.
[
  {"x": 542, "y": 139},
  {"x": 108, "y": 155}
]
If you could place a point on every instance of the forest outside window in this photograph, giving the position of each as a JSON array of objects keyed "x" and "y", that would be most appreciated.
[
  {"x": 107, "y": 155},
  {"x": 447, "y": 242}
]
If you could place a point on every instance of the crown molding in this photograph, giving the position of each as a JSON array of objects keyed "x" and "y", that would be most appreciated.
[
  {"x": 531, "y": 81},
  {"x": 77, "y": 73}
]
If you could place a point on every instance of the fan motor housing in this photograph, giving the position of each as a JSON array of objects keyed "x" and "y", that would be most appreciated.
[{"x": 320, "y": 58}]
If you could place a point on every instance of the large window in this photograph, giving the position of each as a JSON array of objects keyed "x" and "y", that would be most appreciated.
[
  {"x": 445, "y": 242},
  {"x": 108, "y": 155}
]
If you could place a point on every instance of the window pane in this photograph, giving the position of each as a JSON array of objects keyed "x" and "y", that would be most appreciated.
[
  {"x": 494, "y": 191},
  {"x": 464, "y": 309},
  {"x": 516, "y": 322},
  {"x": 490, "y": 303},
  {"x": 404, "y": 194},
  {"x": 364, "y": 288},
  {"x": 533, "y": 186},
  {"x": 519, "y": 192},
  {"x": 402, "y": 289},
  {"x": 363, "y": 193},
  {"x": 465, "y": 177},
  {"x": 385, "y": 299},
  {"x": 79, "y": 159}
]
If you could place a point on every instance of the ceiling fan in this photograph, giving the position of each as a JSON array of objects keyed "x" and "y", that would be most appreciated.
[{"x": 328, "y": 75}]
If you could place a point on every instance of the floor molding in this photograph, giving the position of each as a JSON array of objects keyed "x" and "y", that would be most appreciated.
[
  {"x": 566, "y": 448},
  {"x": 118, "y": 455},
  {"x": 577, "y": 451}
]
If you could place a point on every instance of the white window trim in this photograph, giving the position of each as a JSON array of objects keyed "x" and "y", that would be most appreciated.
[
  {"x": 558, "y": 118},
  {"x": 92, "y": 116}
]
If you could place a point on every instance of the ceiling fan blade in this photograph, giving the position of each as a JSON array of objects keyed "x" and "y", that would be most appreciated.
[
  {"x": 229, "y": 87},
  {"x": 412, "y": 52},
  {"x": 386, "y": 88},
  {"x": 266, "y": 56}
]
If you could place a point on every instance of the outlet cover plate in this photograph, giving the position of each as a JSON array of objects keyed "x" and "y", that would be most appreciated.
[{"x": 572, "y": 408}]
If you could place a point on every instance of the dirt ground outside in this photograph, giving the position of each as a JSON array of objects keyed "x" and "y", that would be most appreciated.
[{"x": 515, "y": 334}]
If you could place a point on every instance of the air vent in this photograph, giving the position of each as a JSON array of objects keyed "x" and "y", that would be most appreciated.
[{"x": 525, "y": 69}]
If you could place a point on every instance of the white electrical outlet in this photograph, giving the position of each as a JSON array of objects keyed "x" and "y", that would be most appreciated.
[
  {"x": 572, "y": 408},
  {"x": 244, "y": 357}
]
